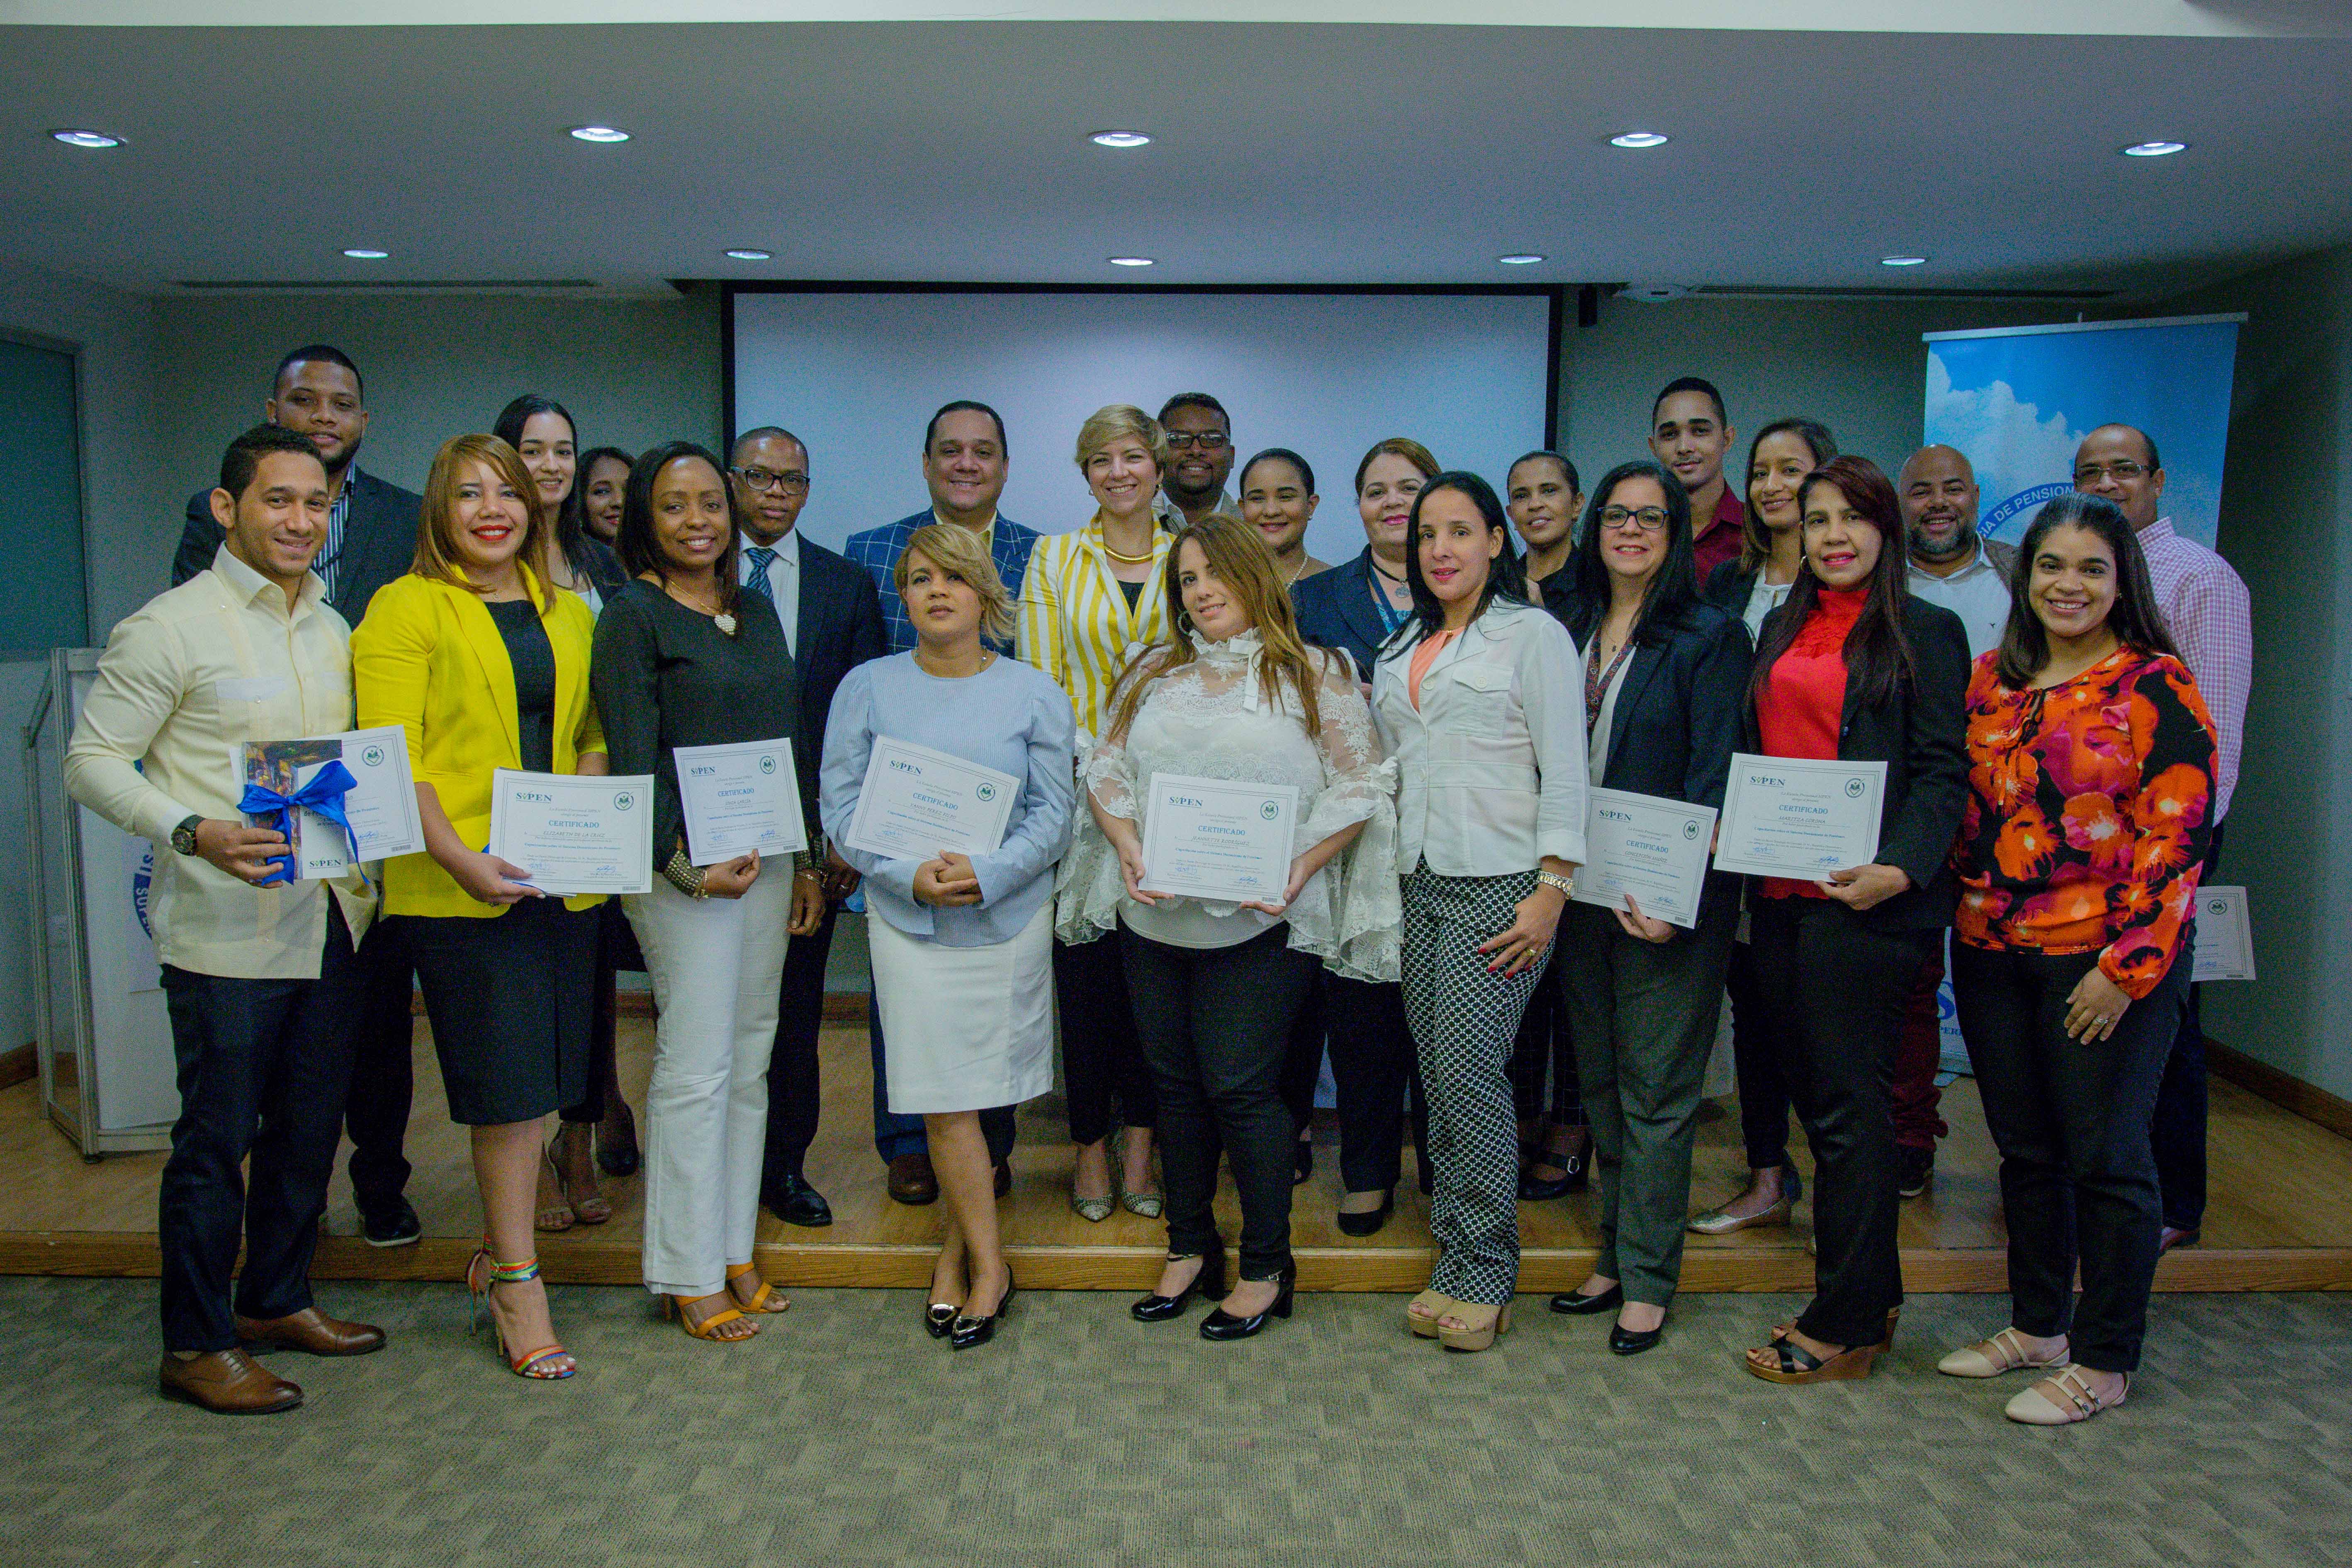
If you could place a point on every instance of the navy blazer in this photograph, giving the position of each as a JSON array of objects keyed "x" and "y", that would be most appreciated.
[
  {"x": 379, "y": 541},
  {"x": 1335, "y": 610},
  {"x": 1922, "y": 735},
  {"x": 840, "y": 628}
]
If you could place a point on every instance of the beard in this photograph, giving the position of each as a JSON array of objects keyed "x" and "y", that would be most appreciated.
[{"x": 1963, "y": 539}]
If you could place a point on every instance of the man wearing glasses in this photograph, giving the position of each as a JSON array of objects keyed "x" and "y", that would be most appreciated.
[
  {"x": 1201, "y": 457},
  {"x": 832, "y": 622},
  {"x": 2211, "y": 620}
]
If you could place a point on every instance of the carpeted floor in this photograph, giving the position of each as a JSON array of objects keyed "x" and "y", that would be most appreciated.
[{"x": 843, "y": 1436}]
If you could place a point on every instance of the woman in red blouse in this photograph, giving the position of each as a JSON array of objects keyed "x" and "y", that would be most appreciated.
[{"x": 2091, "y": 769}]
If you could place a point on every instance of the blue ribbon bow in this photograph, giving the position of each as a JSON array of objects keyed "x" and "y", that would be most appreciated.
[{"x": 324, "y": 795}]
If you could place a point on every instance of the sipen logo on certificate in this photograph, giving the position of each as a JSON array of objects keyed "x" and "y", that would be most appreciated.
[
  {"x": 373, "y": 757},
  {"x": 984, "y": 791}
]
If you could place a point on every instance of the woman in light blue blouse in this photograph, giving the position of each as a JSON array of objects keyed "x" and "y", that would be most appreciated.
[{"x": 961, "y": 944}]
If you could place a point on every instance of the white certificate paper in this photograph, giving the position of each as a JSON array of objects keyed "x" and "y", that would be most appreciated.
[
  {"x": 575, "y": 834},
  {"x": 2225, "y": 937},
  {"x": 739, "y": 798},
  {"x": 381, "y": 802},
  {"x": 1213, "y": 838},
  {"x": 917, "y": 804},
  {"x": 1655, "y": 849},
  {"x": 1789, "y": 816}
]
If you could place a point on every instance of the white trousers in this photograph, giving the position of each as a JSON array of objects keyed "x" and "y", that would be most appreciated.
[{"x": 717, "y": 966}]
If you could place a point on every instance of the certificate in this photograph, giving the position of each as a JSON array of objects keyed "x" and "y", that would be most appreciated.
[
  {"x": 1213, "y": 838},
  {"x": 381, "y": 802},
  {"x": 572, "y": 834},
  {"x": 739, "y": 798},
  {"x": 917, "y": 804},
  {"x": 1655, "y": 849},
  {"x": 2225, "y": 938},
  {"x": 1789, "y": 817}
]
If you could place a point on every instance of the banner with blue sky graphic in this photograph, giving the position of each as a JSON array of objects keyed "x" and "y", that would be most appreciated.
[{"x": 2018, "y": 400}]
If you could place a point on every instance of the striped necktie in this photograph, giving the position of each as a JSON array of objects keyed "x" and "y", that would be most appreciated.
[{"x": 761, "y": 559}]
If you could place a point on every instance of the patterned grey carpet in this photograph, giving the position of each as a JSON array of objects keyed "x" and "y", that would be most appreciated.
[{"x": 843, "y": 1436}]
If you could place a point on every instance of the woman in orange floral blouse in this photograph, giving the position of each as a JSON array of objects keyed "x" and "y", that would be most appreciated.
[{"x": 2091, "y": 767}]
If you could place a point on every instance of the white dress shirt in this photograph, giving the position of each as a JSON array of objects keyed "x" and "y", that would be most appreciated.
[
  {"x": 183, "y": 683},
  {"x": 1491, "y": 765},
  {"x": 783, "y": 581},
  {"x": 1978, "y": 592}
]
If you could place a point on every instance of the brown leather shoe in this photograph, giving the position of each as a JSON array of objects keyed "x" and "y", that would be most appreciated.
[
  {"x": 912, "y": 1180},
  {"x": 310, "y": 1330},
  {"x": 226, "y": 1383}
]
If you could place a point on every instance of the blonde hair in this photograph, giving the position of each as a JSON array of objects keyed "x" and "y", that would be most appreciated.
[
  {"x": 437, "y": 521},
  {"x": 1238, "y": 556},
  {"x": 1116, "y": 420},
  {"x": 959, "y": 552}
]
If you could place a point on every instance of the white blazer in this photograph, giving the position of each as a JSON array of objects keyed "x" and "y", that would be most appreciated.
[{"x": 1491, "y": 765}]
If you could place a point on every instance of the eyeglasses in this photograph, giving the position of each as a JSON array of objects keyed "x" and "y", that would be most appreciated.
[
  {"x": 1649, "y": 520},
  {"x": 2123, "y": 471},
  {"x": 761, "y": 479},
  {"x": 1206, "y": 440}
]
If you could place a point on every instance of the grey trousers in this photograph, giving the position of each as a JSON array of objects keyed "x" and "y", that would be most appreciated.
[{"x": 1642, "y": 1016}]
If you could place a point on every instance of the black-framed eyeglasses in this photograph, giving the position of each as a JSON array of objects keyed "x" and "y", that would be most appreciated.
[
  {"x": 1649, "y": 519},
  {"x": 1206, "y": 440},
  {"x": 759, "y": 481}
]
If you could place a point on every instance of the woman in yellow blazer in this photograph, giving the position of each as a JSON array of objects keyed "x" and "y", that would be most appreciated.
[{"x": 486, "y": 666}]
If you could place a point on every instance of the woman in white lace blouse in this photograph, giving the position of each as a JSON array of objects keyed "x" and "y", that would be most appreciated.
[{"x": 1233, "y": 693}]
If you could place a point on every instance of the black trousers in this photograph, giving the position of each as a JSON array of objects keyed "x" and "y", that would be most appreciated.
[
  {"x": 1215, "y": 1029},
  {"x": 1837, "y": 1010},
  {"x": 382, "y": 1072},
  {"x": 1302, "y": 1062},
  {"x": 1544, "y": 1057},
  {"x": 793, "y": 1096},
  {"x": 263, "y": 1067},
  {"x": 1756, "y": 1058},
  {"x": 1374, "y": 1068},
  {"x": 2071, "y": 1120},
  {"x": 1103, "y": 1070},
  {"x": 2179, "y": 1131}
]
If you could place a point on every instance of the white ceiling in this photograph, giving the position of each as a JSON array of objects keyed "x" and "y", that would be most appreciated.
[{"x": 1337, "y": 154}]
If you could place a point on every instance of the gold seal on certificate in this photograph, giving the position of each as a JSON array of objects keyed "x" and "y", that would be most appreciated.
[
  {"x": 739, "y": 798},
  {"x": 1216, "y": 839},
  {"x": 380, "y": 803},
  {"x": 1792, "y": 816},
  {"x": 2225, "y": 938},
  {"x": 572, "y": 834},
  {"x": 1651, "y": 848},
  {"x": 917, "y": 804}
]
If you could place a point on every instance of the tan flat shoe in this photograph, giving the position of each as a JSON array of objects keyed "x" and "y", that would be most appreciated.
[
  {"x": 2005, "y": 1351},
  {"x": 2062, "y": 1400}
]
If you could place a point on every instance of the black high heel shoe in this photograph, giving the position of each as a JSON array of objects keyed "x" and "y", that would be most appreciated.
[
  {"x": 1368, "y": 1223},
  {"x": 967, "y": 1332},
  {"x": 1223, "y": 1325},
  {"x": 1624, "y": 1341},
  {"x": 1210, "y": 1277},
  {"x": 1577, "y": 1169},
  {"x": 938, "y": 1319},
  {"x": 1581, "y": 1306}
]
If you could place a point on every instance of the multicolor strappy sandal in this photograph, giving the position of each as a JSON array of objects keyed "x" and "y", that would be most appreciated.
[{"x": 535, "y": 1364}]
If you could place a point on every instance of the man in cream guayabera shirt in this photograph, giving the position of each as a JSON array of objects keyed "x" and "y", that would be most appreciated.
[{"x": 260, "y": 980}]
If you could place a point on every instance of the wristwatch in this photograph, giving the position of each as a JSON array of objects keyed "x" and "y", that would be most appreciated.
[
  {"x": 1564, "y": 885},
  {"x": 184, "y": 837}
]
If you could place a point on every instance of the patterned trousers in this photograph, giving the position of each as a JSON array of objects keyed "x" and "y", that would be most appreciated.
[{"x": 1463, "y": 1020}]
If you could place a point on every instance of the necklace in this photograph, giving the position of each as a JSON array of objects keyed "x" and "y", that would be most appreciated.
[
  {"x": 1125, "y": 560},
  {"x": 987, "y": 657},
  {"x": 718, "y": 617},
  {"x": 1396, "y": 577}
]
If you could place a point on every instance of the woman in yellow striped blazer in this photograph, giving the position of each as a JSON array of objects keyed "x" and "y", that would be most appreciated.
[
  {"x": 485, "y": 666},
  {"x": 1091, "y": 601}
]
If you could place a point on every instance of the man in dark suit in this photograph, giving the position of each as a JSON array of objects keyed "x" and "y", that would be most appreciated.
[
  {"x": 832, "y": 622},
  {"x": 371, "y": 540}
]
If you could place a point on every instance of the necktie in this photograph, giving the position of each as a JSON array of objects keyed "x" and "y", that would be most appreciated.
[{"x": 761, "y": 559}]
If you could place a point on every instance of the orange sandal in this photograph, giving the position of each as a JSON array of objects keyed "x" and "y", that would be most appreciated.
[
  {"x": 767, "y": 1300},
  {"x": 704, "y": 1327}
]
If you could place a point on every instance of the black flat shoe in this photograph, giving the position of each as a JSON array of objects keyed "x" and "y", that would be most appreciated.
[
  {"x": 1223, "y": 1325},
  {"x": 794, "y": 1202},
  {"x": 1368, "y": 1222},
  {"x": 938, "y": 1319},
  {"x": 1578, "y": 1167},
  {"x": 967, "y": 1332},
  {"x": 1302, "y": 1160},
  {"x": 1157, "y": 1309},
  {"x": 1577, "y": 1306},
  {"x": 1624, "y": 1341},
  {"x": 393, "y": 1223}
]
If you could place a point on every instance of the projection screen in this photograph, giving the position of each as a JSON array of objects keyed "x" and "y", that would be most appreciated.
[{"x": 855, "y": 373}]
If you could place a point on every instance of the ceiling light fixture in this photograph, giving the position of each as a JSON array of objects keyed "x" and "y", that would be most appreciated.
[
  {"x": 90, "y": 141},
  {"x": 1519, "y": 259},
  {"x": 1119, "y": 139},
  {"x": 1903, "y": 262},
  {"x": 1132, "y": 261},
  {"x": 1638, "y": 138},
  {"x": 364, "y": 253},
  {"x": 746, "y": 253},
  {"x": 599, "y": 134},
  {"x": 2155, "y": 149}
]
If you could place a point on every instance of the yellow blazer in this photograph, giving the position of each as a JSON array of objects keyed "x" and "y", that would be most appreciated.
[{"x": 427, "y": 657}]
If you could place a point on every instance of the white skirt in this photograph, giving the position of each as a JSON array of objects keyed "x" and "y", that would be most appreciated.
[{"x": 964, "y": 1028}]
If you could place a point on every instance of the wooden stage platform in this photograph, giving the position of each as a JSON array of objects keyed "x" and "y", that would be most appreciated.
[{"x": 2281, "y": 1216}]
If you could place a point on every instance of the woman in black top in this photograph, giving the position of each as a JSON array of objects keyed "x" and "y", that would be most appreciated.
[{"x": 683, "y": 658}]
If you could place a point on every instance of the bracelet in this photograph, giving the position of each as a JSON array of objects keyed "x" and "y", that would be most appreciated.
[
  {"x": 1564, "y": 885},
  {"x": 683, "y": 875}
]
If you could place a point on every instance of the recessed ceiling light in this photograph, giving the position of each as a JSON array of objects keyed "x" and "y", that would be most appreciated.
[
  {"x": 93, "y": 140},
  {"x": 746, "y": 253},
  {"x": 1638, "y": 138},
  {"x": 598, "y": 133},
  {"x": 1519, "y": 259},
  {"x": 363, "y": 253},
  {"x": 1903, "y": 262},
  {"x": 1119, "y": 139},
  {"x": 1131, "y": 261},
  {"x": 2155, "y": 149}
]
